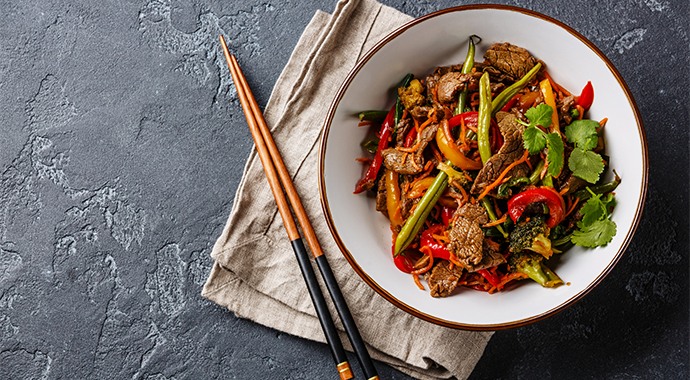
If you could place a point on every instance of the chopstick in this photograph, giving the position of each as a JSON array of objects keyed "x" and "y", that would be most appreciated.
[{"x": 271, "y": 160}]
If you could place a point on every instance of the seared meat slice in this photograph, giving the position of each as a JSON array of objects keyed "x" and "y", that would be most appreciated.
[
  {"x": 401, "y": 130},
  {"x": 381, "y": 197},
  {"x": 400, "y": 162},
  {"x": 512, "y": 60},
  {"x": 442, "y": 280},
  {"x": 490, "y": 258},
  {"x": 420, "y": 113},
  {"x": 466, "y": 235},
  {"x": 510, "y": 152},
  {"x": 564, "y": 106},
  {"x": 453, "y": 82}
]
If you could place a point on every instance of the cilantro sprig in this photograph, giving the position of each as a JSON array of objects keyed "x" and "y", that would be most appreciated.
[
  {"x": 583, "y": 162},
  {"x": 596, "y": 227},
  {"x": 535, "y": 139}
]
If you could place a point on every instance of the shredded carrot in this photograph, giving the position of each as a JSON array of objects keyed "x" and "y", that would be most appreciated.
[
  {"x": 565, "y": 190},
  {"x": 416, "y": 281},
  {"x": 530, "y": 165},
  {"x": 603, "y": 121},
  {"x": 503, "y": 174},
  {"x": 434, "y": 92},
  {"x": 419, "y": 140},
  {"x": 468, "y": 177},
  {"x": 364, "y": 159},
  {"x": 463, "y": 130},
  {"x": 572, "y": 207},
  {"x": 437, "y": 154},
  {"x": 414, "y": 163},
  {"x": 464, "y": 193},
  {"x": 505, "y": 280},
  {"x": 404, "y": 158},
  {"x": 497, "y": 221},
  {"x": 364, "y": 123},
  {"x": 440, "y": 238}
]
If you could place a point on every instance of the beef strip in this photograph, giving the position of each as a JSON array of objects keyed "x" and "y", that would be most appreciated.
[
  {"x": 512, "y": 60},
  {"x": 466, "y": 235},
  {"x": 401, "y": 130},
  {"x": 564, "y": 106},
  {"x": 453, "y": 82},
  {"x": 442, "y": 280},
  {"x": 381, "y": 197},
  {"x": 510, "y": 152},
  {"x": 490, "y": 258},
  {"x": 420, "y": 113},
  {"x": 406, "y": 203},
  {"x": 393, "y": 158}
]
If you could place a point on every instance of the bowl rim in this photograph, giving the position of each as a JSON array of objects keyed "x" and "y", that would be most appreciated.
[{"x": 403, "y": 306}]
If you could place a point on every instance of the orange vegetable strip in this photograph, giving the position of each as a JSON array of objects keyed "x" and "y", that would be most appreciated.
[
  {"x": 416, "y": 281},
  {"x": 497, "y": 221},
  {"x": 503, "y": 174}
]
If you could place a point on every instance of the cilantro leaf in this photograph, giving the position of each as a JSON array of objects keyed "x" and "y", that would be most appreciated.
[
  {"x": 583, "y": 133},
  {"x": 592, "y": 211},
  {"x": 555, "y": 154},
  {"x": 534, "y": 139},
  {"x": 597, "y": 234},
  {"x": 586, "y": 164},
  {"x": 540, "y": 115}
]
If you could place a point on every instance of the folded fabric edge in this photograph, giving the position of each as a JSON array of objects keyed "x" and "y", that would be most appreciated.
[{"x": 227, "y": 290}]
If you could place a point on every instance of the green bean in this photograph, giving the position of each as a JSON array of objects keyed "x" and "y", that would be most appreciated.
[
  {"x": 415, "y": 222},
  {"x": 484, "y": 118},
  {"x": 466, "y": 69},
  {"x": 598, "y": 189},
  {"x": 492, "y": 214},
  {"x": 377, "y": 116},
  {"x": 504, "y": 97},
  {"x": 399, "y": 108},
  {"x": 536, "y": 174}
]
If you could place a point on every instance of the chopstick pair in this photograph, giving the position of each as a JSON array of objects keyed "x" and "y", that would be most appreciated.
[{"x": 272, "y": 161}]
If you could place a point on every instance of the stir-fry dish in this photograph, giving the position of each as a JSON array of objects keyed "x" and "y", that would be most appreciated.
[{"x": 487, "y": 171}]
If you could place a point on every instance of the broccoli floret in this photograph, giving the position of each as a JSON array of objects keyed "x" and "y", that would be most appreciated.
[
  {"x": 532, "y": 264},
  {"x": 531, "y": 235}
]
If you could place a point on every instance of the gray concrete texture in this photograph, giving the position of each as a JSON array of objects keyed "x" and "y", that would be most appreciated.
[{"x": 122, "y": 145}]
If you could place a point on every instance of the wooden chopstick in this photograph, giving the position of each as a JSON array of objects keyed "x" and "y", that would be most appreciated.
[
  {"x": 329, "y": 329},
  {"x": 266, "y": 146}
]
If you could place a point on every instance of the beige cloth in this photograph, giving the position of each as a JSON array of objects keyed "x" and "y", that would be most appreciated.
[{"x": 256, "y": 274}]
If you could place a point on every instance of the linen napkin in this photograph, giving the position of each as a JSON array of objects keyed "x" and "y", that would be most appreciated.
[{"x": 255, "y": 272}]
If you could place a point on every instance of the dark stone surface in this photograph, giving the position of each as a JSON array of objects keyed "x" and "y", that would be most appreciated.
[{"x": 122, "y": 145}]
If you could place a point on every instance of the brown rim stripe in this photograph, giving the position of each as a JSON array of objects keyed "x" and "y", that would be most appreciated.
[{"x": 391, "y": 298}]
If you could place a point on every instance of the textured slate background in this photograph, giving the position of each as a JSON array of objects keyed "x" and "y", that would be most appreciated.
[{"x": 123, "y": 142}]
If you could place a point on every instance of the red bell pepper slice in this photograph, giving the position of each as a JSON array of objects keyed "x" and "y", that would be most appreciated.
[
  {"x": 411, "y": 136},
  {"x": 438, "y": 250},
  {"x": 373, "y": 171},
  {"x": 447, "y": 214},
  {"x": 511, "y": 103},
  {"x": 586, "y": 98},
  {"x": 492, "y": 278},
  {"x": 406, "y": 260},
  {"x": 518, "y": 203}
]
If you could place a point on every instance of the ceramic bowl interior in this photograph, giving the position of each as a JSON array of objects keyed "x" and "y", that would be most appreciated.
[{"x": 442, "y": 39}]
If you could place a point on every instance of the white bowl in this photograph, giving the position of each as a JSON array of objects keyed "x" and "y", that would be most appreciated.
[{"x": 438, "y": 39}]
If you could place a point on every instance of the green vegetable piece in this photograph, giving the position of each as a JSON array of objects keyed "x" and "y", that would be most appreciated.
[
  {"x": 555, "y": 154},
  {"x": 504, "y": 97},
  {"x": 540, "y": 115},
  {"x": 399, "y": 108},
  {"x": 371, "y": 146},
  {"x": 377, "y": 116},
  {"x": 583, "y": 133},
  {"x": 466, "y": 69},
  {"x": 531, "y": 235},
  {"x": 492, "y": 215},
  {"x": 503, "y": 188},
  {"x": 484, "y": 118},
  {"x": 532, "y": 264},
  {"x": 597, "y": 234},
  {"x": 586, "y": 164},
  {"x": 534, "y": 139},
  {"x": 415, "y": 222},
  {"x": 607, "y": 187}
]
